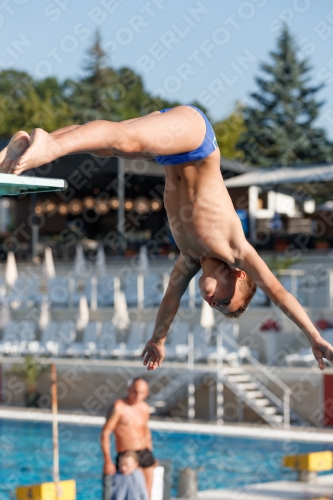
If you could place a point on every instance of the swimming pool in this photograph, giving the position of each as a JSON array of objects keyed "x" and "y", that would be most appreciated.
[{"x": 225, "y": 462}]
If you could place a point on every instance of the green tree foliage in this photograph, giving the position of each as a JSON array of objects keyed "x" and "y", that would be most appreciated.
[
  {"x": 26, "y": 104},
  {"x": 228, "y": 132},
  {"x": 280, "y": 127}
]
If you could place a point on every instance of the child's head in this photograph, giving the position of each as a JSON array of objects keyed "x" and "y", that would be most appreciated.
[
  {"x": 227, "y": 289},
  {"x": 128, "y": 462}
]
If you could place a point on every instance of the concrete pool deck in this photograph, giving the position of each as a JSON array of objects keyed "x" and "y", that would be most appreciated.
[{"x": 277, "y": 490}]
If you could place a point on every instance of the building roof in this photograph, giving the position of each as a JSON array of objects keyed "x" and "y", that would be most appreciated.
[
  {"x": 229, "y": 168},
  {"x": 235, "y": 167},
  {"x": 288, "y": 177}
]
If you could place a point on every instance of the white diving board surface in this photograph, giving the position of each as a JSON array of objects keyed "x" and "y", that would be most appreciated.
[{"x": 11, "y": 185}]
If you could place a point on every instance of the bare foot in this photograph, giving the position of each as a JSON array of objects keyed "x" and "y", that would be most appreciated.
[
  {"x": 42, "y": 150},
  {"x": 18, "y": 144}
]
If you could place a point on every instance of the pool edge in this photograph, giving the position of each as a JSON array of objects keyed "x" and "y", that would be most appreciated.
[{"x": 309, "y": 434}]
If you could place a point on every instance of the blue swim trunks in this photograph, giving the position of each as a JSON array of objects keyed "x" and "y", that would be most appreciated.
[{"x": 208, "y": 145}]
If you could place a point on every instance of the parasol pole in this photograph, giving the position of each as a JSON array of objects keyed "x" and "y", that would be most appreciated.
[{"x": 56, "y": 478}]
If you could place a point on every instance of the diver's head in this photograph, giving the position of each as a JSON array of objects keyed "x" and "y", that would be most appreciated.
[{"x": 225, "y": 288}]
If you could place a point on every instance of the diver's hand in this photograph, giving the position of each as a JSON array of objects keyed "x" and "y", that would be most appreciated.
[
  {"x": 153, "y": 354},
  {"x": 322, "y": 349}
]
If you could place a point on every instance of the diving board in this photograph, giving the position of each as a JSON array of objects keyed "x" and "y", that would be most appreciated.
[{"x": 11, "y": 185}]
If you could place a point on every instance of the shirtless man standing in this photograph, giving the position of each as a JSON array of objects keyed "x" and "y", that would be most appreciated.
[
  {"x": 128, "y": 421},
  {"x": 201, "y": 215}
]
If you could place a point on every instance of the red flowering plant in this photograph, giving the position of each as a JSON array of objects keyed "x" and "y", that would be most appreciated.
[
  {"x": 270, "y": 325},
  {"x": 323, "y": 324}
]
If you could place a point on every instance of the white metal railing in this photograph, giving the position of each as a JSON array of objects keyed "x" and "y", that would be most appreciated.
[
  {"x": 185, "y": 382},
  {"x": 311, "y": 288},
  {"x": 284, "y": 403}
]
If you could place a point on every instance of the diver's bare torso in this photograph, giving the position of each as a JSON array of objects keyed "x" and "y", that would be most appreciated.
[{"x": 201, "y": 215}]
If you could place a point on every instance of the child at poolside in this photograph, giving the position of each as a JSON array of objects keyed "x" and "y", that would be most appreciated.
[
  {"x": 128, "y": 483},
  {"x": 201, "y": 215}
]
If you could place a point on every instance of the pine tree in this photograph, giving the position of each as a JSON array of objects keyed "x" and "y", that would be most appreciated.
[
  {"x": 91, "y": 96},
  {"x": 108, "y": 93},
  {"x": 100, "y": 78},
  {"x": 280, "y": 128}
]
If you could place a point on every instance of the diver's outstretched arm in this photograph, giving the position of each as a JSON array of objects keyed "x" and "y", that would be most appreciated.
[
  {"x": 263, "y": 277},
  {"x": 180, "y": 277}
]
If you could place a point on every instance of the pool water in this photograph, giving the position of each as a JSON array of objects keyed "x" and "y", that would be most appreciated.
[{"x": 223, "y": 462}]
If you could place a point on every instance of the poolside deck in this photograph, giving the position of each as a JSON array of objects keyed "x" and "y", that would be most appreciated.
[{"x": 276, "y": 490}]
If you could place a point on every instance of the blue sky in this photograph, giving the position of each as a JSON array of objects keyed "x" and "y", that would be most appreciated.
[{"x": 209, "y": 50}]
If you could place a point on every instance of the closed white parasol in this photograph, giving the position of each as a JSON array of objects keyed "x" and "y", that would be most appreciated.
[
  {"x": 143, "y": 262},
  {"x": 45, "y": 315},
  {"x": 100, "y": 267},
  {"x": 80, "y": 265},
  {"x": 11, "y": 274},
  {"x": 82, "y": 319},
  {"x": 120, "y": 317},
  {"x": 48, "y": 264},
  {"x": 207, "y": 319}
]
